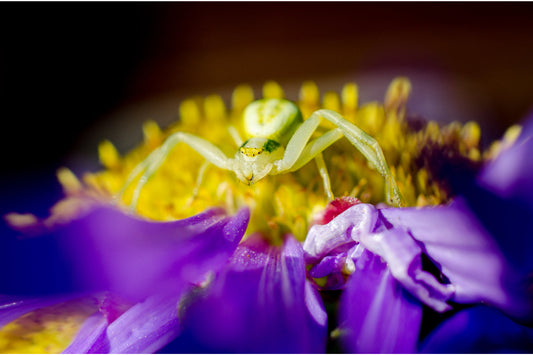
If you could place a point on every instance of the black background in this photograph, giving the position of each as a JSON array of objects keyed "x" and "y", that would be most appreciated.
[{"x": 65, "y": 66}]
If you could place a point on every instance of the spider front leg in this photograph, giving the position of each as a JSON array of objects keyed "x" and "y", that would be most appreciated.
[
  {"x": 298, "y": 152},
  {"x": 153, "y": 161}
]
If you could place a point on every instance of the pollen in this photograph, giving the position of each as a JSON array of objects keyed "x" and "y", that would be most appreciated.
[{"x": 286, "y": 203}]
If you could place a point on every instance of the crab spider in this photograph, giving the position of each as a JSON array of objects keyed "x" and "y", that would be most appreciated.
[{"x": 278, "y": 143}]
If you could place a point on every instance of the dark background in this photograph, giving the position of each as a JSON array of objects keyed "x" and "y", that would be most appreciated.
[{"x": 68, "y": 70}]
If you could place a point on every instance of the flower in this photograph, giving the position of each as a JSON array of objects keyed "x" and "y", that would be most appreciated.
[
  {"x": 477, "y": 244},
  {"x": 208, "y": 264}
]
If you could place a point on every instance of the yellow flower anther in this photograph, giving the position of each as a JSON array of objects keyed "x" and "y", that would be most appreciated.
[
  {"x": 422, "y": 179},
  {"x": 109, "y": 156},
  {"x": 272, "y": 90},
  {"x": 214, "y": 108},
  {"x": 511, "y": 134},
  {"x": 309, "y": 94},
  {"x": 350, "y": 96},
  {"x": 69, "y": 181},
  {"x": 21, "y": 220},
  {"x": 190, "y": 112},
  {"x": 432, "y": 130},
  {"x": 241, "y": 97},
  {"x": 371, "y": 116},
  {"x": 397, "y": 94},
  {"x": 331, "y": 101},
  {"x": 152, "y": 133},
  {"x": 471, "y": 133}
]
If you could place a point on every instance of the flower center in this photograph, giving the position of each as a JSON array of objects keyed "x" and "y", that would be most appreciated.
[{"x": 287, "y": 202}]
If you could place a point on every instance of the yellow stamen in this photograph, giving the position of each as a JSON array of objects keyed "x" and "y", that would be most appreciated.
[
  {"x": 397, "y": 94},
  {"x": 214, "y": 108},
  {"x": 189, "y": 113},
  {"x": 332, "y": 101},
  {"x": 152, "y": 133},
  {"x": 350, "y": 96},
  {"x": 242, "y": 96},
  {"x": 309, "y": 98},
  {"x": 512, "y": 133},
  {"x": 109, "y": 156},
  {"x": 272, "y": 90},
  {"x": 69, "y": 181}
]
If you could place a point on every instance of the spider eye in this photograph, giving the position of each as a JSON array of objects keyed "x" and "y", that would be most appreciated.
[{"x": 251, "y": 152}]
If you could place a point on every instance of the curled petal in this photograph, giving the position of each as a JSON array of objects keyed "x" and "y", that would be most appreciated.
[
  {"x": 465, "y": 253},
  {"x": 110, "y": 250},
  {"x": 403, "y": 257},
  {"x": 341, "y": 231},
  {"x": 377, "y": 314},
  {"x": 261, "y": 302},
  {"x": 479, "y": 330}
]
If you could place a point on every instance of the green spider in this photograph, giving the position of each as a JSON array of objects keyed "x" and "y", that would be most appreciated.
[{"x": 278, "y": 143}]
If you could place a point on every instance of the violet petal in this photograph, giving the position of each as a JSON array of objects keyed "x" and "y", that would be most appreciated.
[
  {"x": 110, "y": 250},
  {"x": 260, "y": 303},
  {"x": 376, "y": 314},
  {"x": 91, "y": 334},
  {"x": 479, "y": 330},
  {"x": 465, "y": 253},
  {"x": 328, "y": 265},
  {"x": 403, "y": 257},
  {"x": 144, "y": 328},
  {"x": 363, "y": 223},
  {"x": 511, "y": 173}
]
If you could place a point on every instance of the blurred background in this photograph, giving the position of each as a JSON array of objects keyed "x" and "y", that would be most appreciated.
[{"x": 73, "y": 74}]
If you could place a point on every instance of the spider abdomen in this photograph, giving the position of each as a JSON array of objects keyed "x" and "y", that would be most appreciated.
[{"x": 274, "y": 119}]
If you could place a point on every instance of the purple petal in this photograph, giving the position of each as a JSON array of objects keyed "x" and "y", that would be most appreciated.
[
  {"x": 465, "y": 252},
  {"x": 329, "y": 265},
  {"x": 363, "y": 223},
  {"x": 479, "y": 330},
  {"x": 330, "y": 273},
  {"x": 376, "y": 314},
  {"x": 403, "y": 257},
  {"x": 260, "y": 303},
  {"x": 109, "y": 250},
  {"x": 144, "y": 328},
  {"x": 91, "y": 334},
  {"x": 511, "y": 173}
]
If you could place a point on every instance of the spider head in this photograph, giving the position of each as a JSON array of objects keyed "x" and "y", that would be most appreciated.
[{"x": 253, "y": 160}]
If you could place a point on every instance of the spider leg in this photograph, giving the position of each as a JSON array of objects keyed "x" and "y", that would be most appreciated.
[
  {"x": 370, "y": 148},
  {"x": 235, "y": 136},
  {"x": 298, "y": 152},
  {"x": 199, "y": 180},
  {"x": 323, "y": 171},
  {"x": 154, "y": 160}
]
